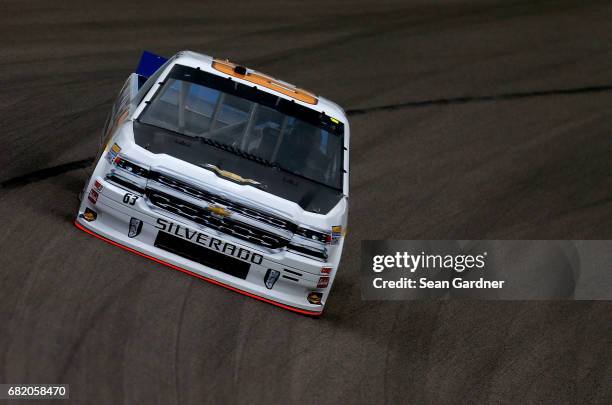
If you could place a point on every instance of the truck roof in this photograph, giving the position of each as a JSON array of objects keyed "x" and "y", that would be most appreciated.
[{"x": 303, "y": 97}]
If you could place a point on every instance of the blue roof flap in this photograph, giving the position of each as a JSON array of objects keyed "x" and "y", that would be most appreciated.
[{"x": 149, "y": 63}]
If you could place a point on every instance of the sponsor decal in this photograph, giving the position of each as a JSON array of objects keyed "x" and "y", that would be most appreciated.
[
  {"x": 93, "y": 196},
  {"x": 113, "y": 152},
  {"x": 208, "y": 241},
  {"x": 336, "y": 234}
]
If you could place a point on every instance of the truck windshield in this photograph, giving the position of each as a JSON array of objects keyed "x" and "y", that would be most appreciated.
[{"x": 263, "y": 126}]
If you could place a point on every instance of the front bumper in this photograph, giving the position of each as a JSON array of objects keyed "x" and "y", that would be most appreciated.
[{"x": 296, "y": 279}]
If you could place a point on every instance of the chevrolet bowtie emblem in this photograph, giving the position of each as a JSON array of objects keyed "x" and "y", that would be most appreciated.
[
  {"x": 231, "y": 176},
  {"x": 219, "y": 211}
]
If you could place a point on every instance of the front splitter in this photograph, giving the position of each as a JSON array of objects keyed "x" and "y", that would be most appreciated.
[{"x": 172, "y": 266}]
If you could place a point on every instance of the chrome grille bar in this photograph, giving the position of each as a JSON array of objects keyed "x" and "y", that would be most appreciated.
[
  {"x": 216, "y": 199},
  {"x": 204, "y": 217}
]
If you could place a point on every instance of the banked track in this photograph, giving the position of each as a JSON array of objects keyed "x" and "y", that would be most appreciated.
[{"x": 481, "y": 121}]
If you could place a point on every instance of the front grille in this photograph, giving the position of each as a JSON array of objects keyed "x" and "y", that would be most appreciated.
[
  {"x": 231, "y": 226},
  {"x": 202, "y": 255},
  {"x": 225, "y": 225},
  {"x": 215, "y": 199}
]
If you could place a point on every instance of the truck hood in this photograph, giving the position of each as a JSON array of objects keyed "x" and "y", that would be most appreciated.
[{"x": 309, "y": 195}]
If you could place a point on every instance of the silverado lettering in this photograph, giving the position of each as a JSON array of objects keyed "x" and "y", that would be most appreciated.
[{"x": 208, "y": 241}]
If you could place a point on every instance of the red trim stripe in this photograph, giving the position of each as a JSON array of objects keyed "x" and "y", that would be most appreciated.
[{"x": 257, "y": 297}]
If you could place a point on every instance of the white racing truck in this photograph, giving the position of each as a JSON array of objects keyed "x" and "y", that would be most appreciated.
[{"x": 226, "y": 174}]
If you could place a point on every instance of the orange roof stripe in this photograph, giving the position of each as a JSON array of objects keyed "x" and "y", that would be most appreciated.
[{"x": 227, "y": 67}]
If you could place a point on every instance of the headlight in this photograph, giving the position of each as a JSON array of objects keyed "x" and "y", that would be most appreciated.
[
  {"x": 128, "y": 175},
  {"x": 130, "y": 167},
  {"x": 314, "y": 235}
]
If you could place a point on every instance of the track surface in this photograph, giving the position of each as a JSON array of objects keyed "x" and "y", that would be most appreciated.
[{"x": 478, "y": 138}]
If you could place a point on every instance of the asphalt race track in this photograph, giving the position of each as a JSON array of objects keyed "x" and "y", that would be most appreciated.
[{"x": 480, "y": 121}]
